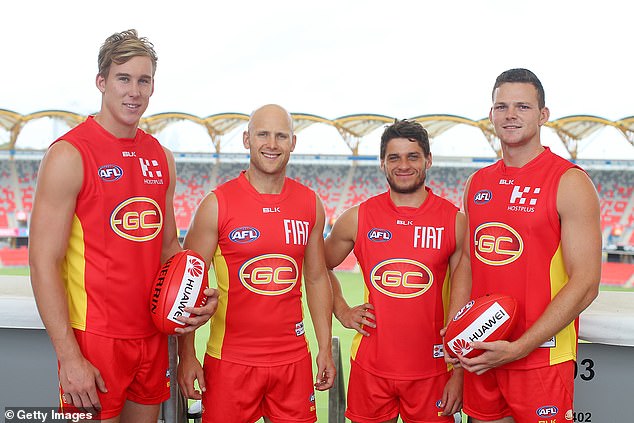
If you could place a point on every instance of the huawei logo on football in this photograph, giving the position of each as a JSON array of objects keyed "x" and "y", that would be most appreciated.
[
  {"x": 461, "y": 347},
  {"x": 196, "y": 268}
]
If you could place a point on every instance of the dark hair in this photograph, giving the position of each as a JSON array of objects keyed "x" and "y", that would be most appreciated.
[
  {"x": 522, "y": 76},
  {"x": 409, "y": 129}
]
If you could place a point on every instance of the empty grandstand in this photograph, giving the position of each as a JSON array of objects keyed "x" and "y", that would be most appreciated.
[{"x": 340, "y": 180}]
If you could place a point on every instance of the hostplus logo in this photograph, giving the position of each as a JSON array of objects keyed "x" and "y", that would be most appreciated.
[
  {"x": 151, "y": 171},
  {"x": 524, "y": 199}
]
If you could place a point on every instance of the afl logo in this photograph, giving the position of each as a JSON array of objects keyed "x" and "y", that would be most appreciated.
[
  {"x": 547, "y": 411},
  {"x": 482, "y": 196},
  {"x": 463, "y": 310},
  {"x": 379, "y": 235},
  {"x": 269, "y": 274},
  {"x": 401, "y": 278},
  {"x": 244, "y": 235},
  {"x": 110, "y": 172},
  {"x": 137, "y": 219},
  {"x": 497, "y": 244}
]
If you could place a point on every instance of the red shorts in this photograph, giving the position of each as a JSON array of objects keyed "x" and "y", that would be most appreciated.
[
  {"x": 529, "y": 396},
  {"x": 239, "y": 393},
  {"x": 132, "y": 369},
  {"x": 373, "y": 399}
]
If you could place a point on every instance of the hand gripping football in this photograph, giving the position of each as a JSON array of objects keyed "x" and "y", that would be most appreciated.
[
  {"x": 488, "y": 318},
  {"x": 180, "y": 283}
]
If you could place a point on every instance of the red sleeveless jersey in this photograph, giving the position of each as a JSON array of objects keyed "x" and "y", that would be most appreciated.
[
  {"x": 404, "y": 256},
  {"x": 116, "y": 237},
  {"x": 258, "y": 266},
  {"x": 515, "y": 237}
]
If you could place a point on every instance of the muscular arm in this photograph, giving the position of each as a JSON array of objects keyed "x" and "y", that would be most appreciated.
[
  {"x": 338, "y": 245},
  {"x": 59, "y": 182},
  {"x": 578, "y": 208},
  {"x": 202, "y": 237},
  {"x": 319, "y": 299}
]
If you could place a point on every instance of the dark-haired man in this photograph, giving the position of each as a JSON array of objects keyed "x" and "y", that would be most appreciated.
[
  {"x": 536, "y": 236},
  {"x": 407, "y": 241}
]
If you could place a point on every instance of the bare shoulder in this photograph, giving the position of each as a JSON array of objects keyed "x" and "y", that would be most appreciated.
[
  {"x": 61, "y": 168},
  {"x": 346, "y": 225},
  {"x": 349, "y": 217},
  {"x": 208, "y": 204},
  {"x": 576, "y": 190},
  {"x": 168, "y": 153},
  {"x": 62, "y": 151}
]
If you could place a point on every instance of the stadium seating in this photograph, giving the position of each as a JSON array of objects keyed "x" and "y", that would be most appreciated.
[
  {"x": 329, "y": 181},
  {"x": 339, "y": 185},
  {"x": 615, "y": 190}
]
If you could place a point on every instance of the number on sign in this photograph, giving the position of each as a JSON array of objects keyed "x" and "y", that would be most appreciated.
[
  {"x": 583, "y": 417},
  {"x": 587, "y": 369}
]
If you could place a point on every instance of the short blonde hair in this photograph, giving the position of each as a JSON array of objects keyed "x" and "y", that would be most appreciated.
[{"x": 123, "y": 46}]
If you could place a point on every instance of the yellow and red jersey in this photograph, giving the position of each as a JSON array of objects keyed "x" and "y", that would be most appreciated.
[
  {"x": 258, "y": 265},
  {"x": 404, "y": 257},
  {"x": 515, "y": 237},
  {"x": 116, "y": 237}
]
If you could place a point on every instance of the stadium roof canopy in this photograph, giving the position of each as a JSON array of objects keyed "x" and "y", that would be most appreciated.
[{"x": 352, "y": 128}]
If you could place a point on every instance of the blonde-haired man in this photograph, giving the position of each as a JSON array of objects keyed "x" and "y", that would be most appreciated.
[{"x": 102, "y": 223}]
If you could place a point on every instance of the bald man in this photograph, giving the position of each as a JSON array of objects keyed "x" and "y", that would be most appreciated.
[{"x": 260, "y": 231}]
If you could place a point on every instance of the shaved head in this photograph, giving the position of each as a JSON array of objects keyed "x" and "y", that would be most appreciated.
[{"x": 267, "y": 111}]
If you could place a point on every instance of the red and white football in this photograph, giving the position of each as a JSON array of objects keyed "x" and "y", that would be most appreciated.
[
  {"x": 488, "y": 318},
  {"x": 180, "y": 283}
]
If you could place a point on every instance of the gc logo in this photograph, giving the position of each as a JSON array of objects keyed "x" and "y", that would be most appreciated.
[
  {"x": 402, "y": 278},
  {"x": 269, "y": 274},
  {"x": 137, "y": 219},
  {"x": 497, "y": 244}
]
